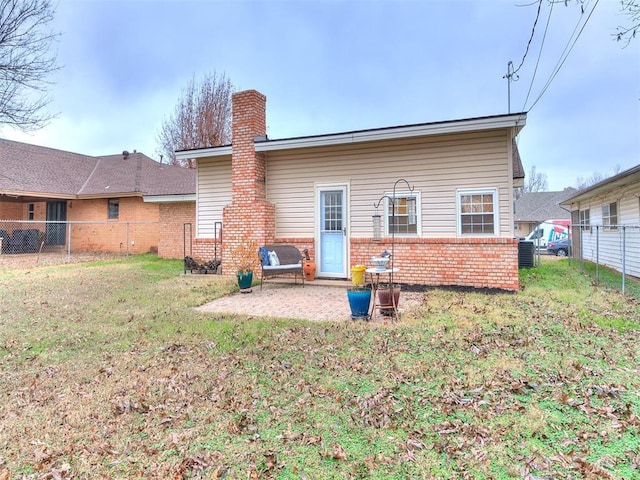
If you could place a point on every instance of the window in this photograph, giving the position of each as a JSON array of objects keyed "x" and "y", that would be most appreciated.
[
  {"x": 31, "y": 211},
  {"x": 114, "y": 208},
  {"x": 477, "y": 212},
  {"x": 610, "y": 216},
  {"x": 584, "y": 219},
  {"x": 403, "y": 215}
]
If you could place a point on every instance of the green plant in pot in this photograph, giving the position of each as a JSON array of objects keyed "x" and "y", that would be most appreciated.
[{"x": 245, "y": 259}]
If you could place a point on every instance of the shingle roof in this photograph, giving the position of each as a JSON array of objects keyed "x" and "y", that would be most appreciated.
[
  {"x": 518, "y": 169},
  {"x": 34, "y": 169},
  {"x": 540, "y": 206},
  {"x": 30, "y": 168}
]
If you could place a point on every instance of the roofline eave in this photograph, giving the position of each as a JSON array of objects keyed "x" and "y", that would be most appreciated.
[
  {"x": 44, "y": 195},
  {"x": 515, "y": 120},
  {"x": 189, "y": 197}
]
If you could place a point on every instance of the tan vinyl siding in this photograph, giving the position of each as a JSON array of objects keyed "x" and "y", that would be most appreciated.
[
  {"x": 214, "y": 193},
  {"x": 436, "y": 166}
]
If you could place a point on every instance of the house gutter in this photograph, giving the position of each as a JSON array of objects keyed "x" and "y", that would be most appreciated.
[{"x": 169, "y": 198}]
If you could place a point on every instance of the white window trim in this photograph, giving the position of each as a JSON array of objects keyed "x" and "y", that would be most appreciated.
[
  {"x": 582, "y": 213},
  {"x": 387, "y": 213},
  {"x": 496, "y": 212},
  {"x": 609, "y": 227}
]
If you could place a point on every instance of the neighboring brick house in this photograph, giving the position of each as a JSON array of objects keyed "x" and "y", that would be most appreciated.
[
  {"x": 536, "y": 207},
  {"x": 319, "y": 192},
  {"x": 108, "y": 200}
]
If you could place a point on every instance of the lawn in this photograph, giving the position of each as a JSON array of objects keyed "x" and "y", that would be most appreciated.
[{"x": 106, "y": 371}]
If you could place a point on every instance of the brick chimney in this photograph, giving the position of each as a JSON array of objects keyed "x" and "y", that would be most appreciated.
[
  {"x": 248, "y": 168},
  {"x": 249, "y": 216}
]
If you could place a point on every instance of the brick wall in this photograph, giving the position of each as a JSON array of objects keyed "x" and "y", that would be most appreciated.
[
  {"x": 470, "y": 262},
  {"x": 114, "y": 235},
  {"x": 173, "y": 216},
  {"x": 11, "y": 211}
]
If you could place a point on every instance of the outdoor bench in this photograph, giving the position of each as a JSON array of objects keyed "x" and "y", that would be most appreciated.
[{"x": 289, "y": 259}]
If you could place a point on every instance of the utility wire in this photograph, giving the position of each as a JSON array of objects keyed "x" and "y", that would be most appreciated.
[
  {"x": 562, "y": 59},
  {"x": 535, "y": 70},
  {"x": 533, "y": 31}
]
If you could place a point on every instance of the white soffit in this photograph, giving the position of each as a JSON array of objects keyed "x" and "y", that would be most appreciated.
[{"x": 204, "y": 152}]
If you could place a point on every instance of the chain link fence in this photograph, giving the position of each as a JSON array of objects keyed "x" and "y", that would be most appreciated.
[
  {"x": 613, "y": 246},
  {"x": 46, "y": 242}
]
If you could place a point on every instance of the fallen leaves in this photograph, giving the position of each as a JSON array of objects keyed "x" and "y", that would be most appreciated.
[{"x": 500, "y": 386}]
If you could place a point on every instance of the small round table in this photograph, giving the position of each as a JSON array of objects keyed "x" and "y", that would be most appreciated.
[{"x": 375, "y": 286}]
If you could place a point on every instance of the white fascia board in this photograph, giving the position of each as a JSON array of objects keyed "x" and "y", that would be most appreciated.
[
  {"x": 457, "y": 126},
  {"x": 203, "y": 152},
  {"x": 516, "y": 120},
  {"x": 169, "y": 198}
]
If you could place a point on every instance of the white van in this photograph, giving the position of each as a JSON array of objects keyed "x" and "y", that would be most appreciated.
[{"x": 549, "y": 231}]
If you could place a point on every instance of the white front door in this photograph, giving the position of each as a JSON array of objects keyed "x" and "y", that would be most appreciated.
[{"x": 331, "y": 255}]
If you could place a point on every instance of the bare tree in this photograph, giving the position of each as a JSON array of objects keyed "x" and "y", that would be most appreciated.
[
  {"x": 26, "y": 61},
  {"x": 596, "y": 177},
  {"x": 201, "y": 118},
  {"x": 534, "y": 182},
  {"x": 630, "y": 8}
]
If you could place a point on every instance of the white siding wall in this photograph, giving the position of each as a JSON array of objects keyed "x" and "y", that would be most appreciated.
[
  {"x": 606, "y": 246},
  {"x": 214, "y": 193},
  {"x": 436, "y": 166}
]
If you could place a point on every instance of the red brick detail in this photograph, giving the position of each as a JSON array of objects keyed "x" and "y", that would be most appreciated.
[
  {"x": 248, "y": 173},
  {"x": 172, "y": 241},
  {"x": 299, "y": 243},
  {"x": 114, "y": 235},
  {"x": 470, "y": 262},
  {"x": 203, "y": 249}
]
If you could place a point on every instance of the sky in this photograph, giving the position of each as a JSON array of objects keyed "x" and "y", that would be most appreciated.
[{"x": 329, "y": 66}]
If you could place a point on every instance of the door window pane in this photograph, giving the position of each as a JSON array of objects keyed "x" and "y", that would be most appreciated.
[{"x": 333, "y": 211}]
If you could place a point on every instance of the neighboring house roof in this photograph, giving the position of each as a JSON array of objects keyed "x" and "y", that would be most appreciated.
[
  {"x": 539, "y": 206},
  {"x": 631, "y": 176},
  {"x": 31, "y": 170},
  {"x": 263, "y": 144},
  {"x": 518, "y": 169}
]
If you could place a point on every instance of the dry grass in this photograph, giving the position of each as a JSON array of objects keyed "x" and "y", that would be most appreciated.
[{"x": 107, "y": 372}]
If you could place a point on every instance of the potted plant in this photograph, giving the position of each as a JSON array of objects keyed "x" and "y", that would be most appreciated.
[
  {"x": 245, "y": 260},
  {"x": 308, "y": 266}
]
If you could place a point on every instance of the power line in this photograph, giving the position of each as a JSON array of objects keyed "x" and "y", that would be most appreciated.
[
  {"x": 512, "y": 74},
  {"x": 562, "y": 59},
  {"x": 533, "y": 31},
  {"x": 535, "y": 70}
]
